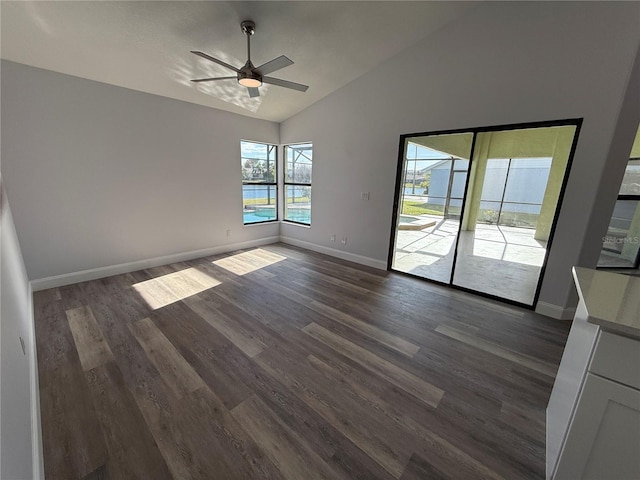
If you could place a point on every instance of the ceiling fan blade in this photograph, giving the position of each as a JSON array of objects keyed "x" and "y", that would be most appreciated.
[
  {"x": 273, "y": 65},
  {"x": 253, "y": 92},
  {"x": 211, "y": 79},
  {"x": 285, "y": 83},
  {"x": 215, "y": 60}
]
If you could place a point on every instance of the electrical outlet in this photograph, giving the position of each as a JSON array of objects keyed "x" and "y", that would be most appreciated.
[
  {"x": 364, "y": 195},
  {"x": 228, "y": 232},
  {"x": 344, "y": 240},
  {"x": 333, "y": 238}
]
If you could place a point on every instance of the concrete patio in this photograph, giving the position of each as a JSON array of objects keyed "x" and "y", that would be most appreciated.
[{"x": 511, "y": 251}]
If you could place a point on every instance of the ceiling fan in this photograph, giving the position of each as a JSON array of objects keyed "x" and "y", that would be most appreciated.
[{"x": 250, "y": 76}]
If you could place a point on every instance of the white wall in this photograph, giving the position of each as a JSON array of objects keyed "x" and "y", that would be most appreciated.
[
  {"x": 17, "y": 369},
  {"x": 101, "y": 175},
  {"x": 503, "y": 63}
]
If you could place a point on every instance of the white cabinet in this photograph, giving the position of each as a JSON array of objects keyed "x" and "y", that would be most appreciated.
[
  {"x": 593, "y": 416},
  {"x": 603, "y": 441}
]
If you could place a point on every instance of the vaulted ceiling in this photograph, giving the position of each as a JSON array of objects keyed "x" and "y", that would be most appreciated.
[{"x": 145, "y": 45}]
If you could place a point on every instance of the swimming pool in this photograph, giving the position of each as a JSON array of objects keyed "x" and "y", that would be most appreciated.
[
  {"x": 407, "y": 218},
  {"x": 254, "y": 217},
  {"x": 302, "y": 215}
]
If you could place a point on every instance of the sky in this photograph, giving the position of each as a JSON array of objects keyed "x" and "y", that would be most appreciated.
[
  {"x": 423, "y": 154},
  {"x": 259, "y": 150},
  {"x": 253, "y": 150}
]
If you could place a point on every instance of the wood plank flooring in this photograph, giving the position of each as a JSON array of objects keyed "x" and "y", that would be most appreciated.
[{"x": 279, "y": 363}]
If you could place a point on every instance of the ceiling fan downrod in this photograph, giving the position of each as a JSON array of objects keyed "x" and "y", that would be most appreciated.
[
  {"x": 248, "y": 76},
  {"x": 248, "y": 28}
]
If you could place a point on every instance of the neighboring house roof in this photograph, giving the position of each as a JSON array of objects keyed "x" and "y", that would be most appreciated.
[{"x": 431, "y": 167}]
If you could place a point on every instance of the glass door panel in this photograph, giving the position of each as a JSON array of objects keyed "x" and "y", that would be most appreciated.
[
  {"x": 512, "y": 202},
  {"x": 429, "y": 204},
  {"x": 621, "y": 244}
]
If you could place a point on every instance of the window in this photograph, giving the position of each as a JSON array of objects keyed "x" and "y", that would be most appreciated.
[
  {"x": 620, "y": 247},
  {"x": 259, "y": 187},
  {"x": 297, "y": 183}
]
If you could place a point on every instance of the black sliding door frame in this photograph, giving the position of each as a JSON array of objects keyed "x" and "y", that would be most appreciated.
[{"x": 575, "y": 122}]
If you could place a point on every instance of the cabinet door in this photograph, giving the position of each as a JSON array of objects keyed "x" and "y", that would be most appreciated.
[
  {"x": 604, "y": 437},
  {"x": 569, "y": 383}
]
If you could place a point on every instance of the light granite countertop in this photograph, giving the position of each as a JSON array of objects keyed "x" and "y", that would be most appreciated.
[{"x": 612, "y": 300}]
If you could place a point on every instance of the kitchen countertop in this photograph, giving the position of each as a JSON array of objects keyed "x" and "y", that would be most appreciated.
[{"x": 612, "y": 300}]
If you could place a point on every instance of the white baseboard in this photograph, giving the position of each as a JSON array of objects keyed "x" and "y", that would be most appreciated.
[
  {"x": 101, "y": 272},
  {"x": 352, "y": 257},
  {"x": 555, "y": 311}
]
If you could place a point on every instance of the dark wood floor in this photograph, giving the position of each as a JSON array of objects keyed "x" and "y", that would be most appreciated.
[{"x": 281, "y": 363}]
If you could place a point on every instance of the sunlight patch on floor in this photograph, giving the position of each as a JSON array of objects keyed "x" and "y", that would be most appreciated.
[
  {"x": 173, "y": 287},
  {"x": 247, "y": 262},
  {"x": 509, "y": 253}
]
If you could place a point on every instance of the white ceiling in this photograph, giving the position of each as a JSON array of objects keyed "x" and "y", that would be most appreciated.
[{"x": 145, "y": 45}]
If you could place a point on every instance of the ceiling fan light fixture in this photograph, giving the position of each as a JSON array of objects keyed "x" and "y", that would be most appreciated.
[{"x": 250, "y": 82}]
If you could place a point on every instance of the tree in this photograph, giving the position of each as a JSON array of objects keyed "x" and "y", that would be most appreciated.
[
  {"x": 257, "y": 171},
  {"x": 306, "y": 192},
  {"x": 270, "y": 174},
  {"x": 427, "y": 180}
]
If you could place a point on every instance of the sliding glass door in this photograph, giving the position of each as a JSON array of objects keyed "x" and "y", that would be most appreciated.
[
  {"x": 429, "y": 204},
  {"x": 484, "y": 216}
]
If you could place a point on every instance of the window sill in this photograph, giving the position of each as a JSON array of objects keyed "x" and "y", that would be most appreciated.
[{"x": 295, "y": 224}]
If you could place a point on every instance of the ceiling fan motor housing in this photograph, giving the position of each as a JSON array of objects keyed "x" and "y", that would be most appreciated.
[
  {"x": 248, "y": 72},
  {"x": 249, "y": 76}
]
